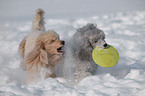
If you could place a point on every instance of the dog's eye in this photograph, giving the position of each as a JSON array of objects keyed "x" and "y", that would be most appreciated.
[
  {"x": 96, "y": 41},
  {"x": 52, "y": 41}
]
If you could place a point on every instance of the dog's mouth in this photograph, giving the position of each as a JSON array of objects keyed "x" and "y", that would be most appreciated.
[{"x": 60, "y": 50}]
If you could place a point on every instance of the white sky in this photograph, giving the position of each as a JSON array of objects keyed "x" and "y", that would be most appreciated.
[{"x": 24, "y": 9}]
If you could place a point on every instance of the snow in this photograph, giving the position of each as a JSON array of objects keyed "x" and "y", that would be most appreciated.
[{"x": 124, "y": 29}]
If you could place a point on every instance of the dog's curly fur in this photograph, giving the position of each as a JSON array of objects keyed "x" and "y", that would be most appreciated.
[
  {"x": 40, "y": 51},
  {"x": 85, "y": 40}
]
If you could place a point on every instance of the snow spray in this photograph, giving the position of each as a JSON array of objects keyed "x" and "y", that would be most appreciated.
[{"x": 67, "y": 69}]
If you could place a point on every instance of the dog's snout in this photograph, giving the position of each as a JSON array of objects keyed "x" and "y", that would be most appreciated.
[
  {"x": 105, "y": 45},
  {"x": 63, "y": 42}
]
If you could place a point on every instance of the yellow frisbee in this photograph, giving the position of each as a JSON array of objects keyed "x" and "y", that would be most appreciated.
[{"x": 106, "y": 57}]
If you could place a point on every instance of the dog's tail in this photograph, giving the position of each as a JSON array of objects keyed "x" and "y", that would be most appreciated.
[{"x": 38, "y": 23}]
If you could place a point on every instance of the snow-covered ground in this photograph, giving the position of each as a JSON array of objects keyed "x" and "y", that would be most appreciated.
[{"x": 124, "y": 30}]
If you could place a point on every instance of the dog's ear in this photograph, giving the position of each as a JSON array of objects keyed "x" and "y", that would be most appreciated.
[
  {"x": 38, "y": 57},
  {"x": 84, "y": 55},
  {"x": 85, "y": 51}
]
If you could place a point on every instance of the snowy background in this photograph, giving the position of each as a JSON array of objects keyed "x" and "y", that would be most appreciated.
[{"x": 123, "y": 22}]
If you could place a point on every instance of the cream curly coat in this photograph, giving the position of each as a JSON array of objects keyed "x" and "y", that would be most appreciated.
[{"x": 40, "y": 51}]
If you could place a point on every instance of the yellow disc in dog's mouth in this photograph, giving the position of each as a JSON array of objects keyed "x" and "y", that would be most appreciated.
[{"x": 107, "y": 57}]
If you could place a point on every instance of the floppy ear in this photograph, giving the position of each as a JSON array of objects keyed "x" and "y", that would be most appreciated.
[
  {"x": 85, "y": 51},
  {"x": 38, "y": 57}
]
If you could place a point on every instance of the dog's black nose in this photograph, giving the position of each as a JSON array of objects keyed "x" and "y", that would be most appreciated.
[
  {"x": 105, "y": 45},
  {"x": 63, "y": 42}
]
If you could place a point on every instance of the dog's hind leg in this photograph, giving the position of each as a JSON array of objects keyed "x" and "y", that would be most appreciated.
[
  {"x": 21, "y": 50},
  {"x": 22, "y": 47}
]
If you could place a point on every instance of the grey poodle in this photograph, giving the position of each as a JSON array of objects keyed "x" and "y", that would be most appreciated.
[{"x": 85, "y": 40}]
